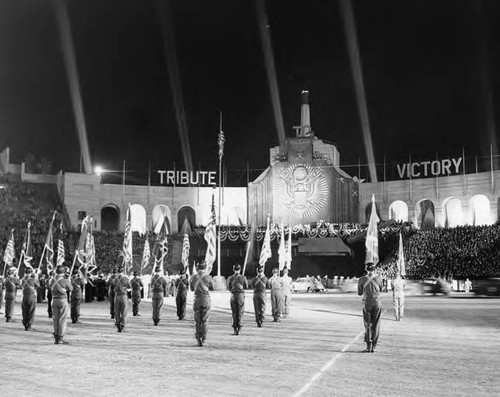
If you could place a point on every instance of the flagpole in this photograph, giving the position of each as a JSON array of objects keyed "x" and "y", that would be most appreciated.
[{"x": 220, "y": 202}]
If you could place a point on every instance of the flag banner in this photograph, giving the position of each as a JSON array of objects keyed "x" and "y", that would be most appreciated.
[
  {"x": 61, "y": 254},
  {"x": 211, "y": 238},
  {"x": 26, "y": 250},
  {"x": 9, "y": 253},
  {"x": 48, "y": 249},
  {"x": 221, "y": 140},
  {"x": 127, "y": 243},
  {"x": 146, "y": 254},
  {"x": 160, "y": 249},
  {"x": 401, "y": 257},
  {"x": 185, "y": 251},
  {"x": 265, "y": 252},
  {"x": 289, "y": 249},
  {"x": 281, "y": 250},
  {"x": 371, "y": 242}
]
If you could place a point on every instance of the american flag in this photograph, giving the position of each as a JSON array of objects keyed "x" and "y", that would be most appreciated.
[
  {"x": 265, "y": 253},
  {"x": 371, "y": 242},
  {"x": 220, "y": 140},
  {"x": 282, "y": 250},
  {"x": 26, "y": 250},
  {"x": 9, "y": 254},
  {"x": 146, "y": 254},
  {"x": 185, "y": 251},
  {"x": 160, "y": 249},
  {"x": 210, "y": 238},
  {"x": 49, "y": 248},
  {"x": 401, "y": 257},
  {"x": 127, "y": 242},
  {"x": 61, "y": 255}
]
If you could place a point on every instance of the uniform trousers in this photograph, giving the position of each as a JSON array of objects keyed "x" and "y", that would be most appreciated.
[
  {"x": 59, "y": 316},
  {"x": 398, "y": 301},
  {"x": 28, "y": 307},
  {"x": 180, "y": 301},
  {"x": 276, "y": 303},
  {"x": 371, "y": 317},
  {"x": 237, "y": 308},
  {"x": 121, "y": 310},
  {"x": 201, "y": 308},
  {"x": 157, "y": 302},
  {"x": 259, "y": 304},
  {"x": 10, "y": 300}
]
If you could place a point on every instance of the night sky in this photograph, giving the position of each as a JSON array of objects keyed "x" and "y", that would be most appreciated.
[{"x": 428, "y": 69}]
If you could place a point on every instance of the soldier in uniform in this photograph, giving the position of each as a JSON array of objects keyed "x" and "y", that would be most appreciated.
[
  {"x": 398, "y": 296},
  {"x": 369, "y": 287},
  {"x": 121, "y": 285},
  {"x": 259, "y": 284},
  {"x": 201, "y": 283},
  {"x": 29, "y": 284},
  {"x": 12, "y": 284},
  {"x": 286, "y": 282},
  {"x": 182, "y": 286},
  {"x": 276, "y": 296},
  {"x": 137, "y": 287},
  {"x": 60, "y": 286},
  {"x": 100, "y": 285},
  {"x": 78, "y": 283},
  {"x": 237, "y": 284},
  {"x": 49, "y": 294},
  {"x": 158, "y": 293},
  {"x": 111, "y": 294},
  {"x": 40, "y": 295}
]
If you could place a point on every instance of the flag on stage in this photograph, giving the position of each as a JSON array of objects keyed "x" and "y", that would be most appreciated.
[
  {"x": 401, "y": 257},
  {"x": 371, "y": 242},
  {"x": 146, "y": 254},
  {"x": 289, "y": 249},
  {"x": 265, "y": 252},
  {"x": 210, "y": 238},
  {"x": 185, "y": 251},
  {"x": 281, "y": 250},
  {"x": 61, "y": 254},
  {"x": 9, "y": 253},
  {"x": 221, "y": 140},
  {"x": 127, "y": 243}
]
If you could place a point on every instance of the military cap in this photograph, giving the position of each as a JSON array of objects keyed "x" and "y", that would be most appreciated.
[
  {"x": 136, "y": 273},
  {"x": 182, "y": 271},
  {"x": 370, "y": 266},
  {"x": 202, "y": 265},
  {"x": 237, "y": 267},
  {"x": 157, "y": 269},
  {"x": 260, "y": 268},
  {"x": 61, "y": 269}
]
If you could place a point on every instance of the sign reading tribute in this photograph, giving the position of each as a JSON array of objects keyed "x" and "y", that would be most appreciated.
[{"x": 197, "y": 178}]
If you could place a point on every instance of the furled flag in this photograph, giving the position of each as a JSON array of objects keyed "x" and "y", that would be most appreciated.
[
  {"x": 185, "y": 251},
  {"x": 26, "y": 250},
  {"x": 265, "y": 252},
  {"x": 127, "y": 243},
  {"x": 9, "y": 253},
  {"x": 289, "y": 249},
  {"x": 61, "y": 254},
  {"x": 220, "y": 140},
  {"x": 48, "y": 249},
  {"x": 146, "y": 254},
  {"x": 401, "y": 257},
  {"x": 160, "y": 250},
  {"x": 210, "y": 238},
  {"x": 81, "y": 249},
  {"x": 282, "y": 250},
  {"x": 371, "y": 242}
]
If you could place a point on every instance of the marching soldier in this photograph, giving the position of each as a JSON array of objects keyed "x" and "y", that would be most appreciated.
[
  {"x": 201, "y": 283},
  {"x": 259, "y": 284},
  {"x": 111, "y": 294},
  {"x": 29, "y": 284},
  {"x": 137, "y": 287},
  {"x": 59, "y": 287},
  {"x": 369, "y": 287},
  {"x": 78, "y": 283},
  {"x": 100, "y": 285},
  {"x": 158, "y": 293},
  {"x": 182, "y": 286},
  {"x": 398, "y": 296},
  {"x": 121, "y": 285},
  {"x": 237, "y": 284},
  {"x": 12, "y": 284},
  {"x": 276, "y": 296},
  {"x": 286, "y": 282}
]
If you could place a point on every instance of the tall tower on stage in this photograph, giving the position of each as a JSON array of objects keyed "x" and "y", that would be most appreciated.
[{"x": 304, "y": 182}]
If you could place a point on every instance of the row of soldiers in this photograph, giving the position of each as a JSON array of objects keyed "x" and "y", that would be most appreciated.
[{"x": 63, "y": 289}]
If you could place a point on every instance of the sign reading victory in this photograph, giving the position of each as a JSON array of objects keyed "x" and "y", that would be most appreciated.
[{"x": 424, "y": 169}]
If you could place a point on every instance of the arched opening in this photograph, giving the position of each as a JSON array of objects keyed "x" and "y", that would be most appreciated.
[
  {"x": 110, "y": 218},
  {"x": 138, "y": 218},
  {"x": 398, "y": 211},
  {"x": 368, "y": 211},
  {"x": 480, "y": 210},
  {"x": 186, "y": 220},
  {"x": 425, "y": 214},
  {"x": 159, "y": 212},
  {"x": 453, "y": 214}
]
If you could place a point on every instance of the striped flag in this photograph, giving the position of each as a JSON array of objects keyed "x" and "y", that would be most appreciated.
[
  {"x": 61, "y": 254},
  {"x": 265, "y": 252},
  {"x": 127, "y": 243},
  {"x": 185, "y": 251},
  {"x": 289, "y": 249},
  {"x": 146, "y": 254},
  {"x": 371, "y": 242},
  {"x": 401, "y": 257},
  {"x": 9, "y": 253},
  {"x": 211, "y": 238},
  {"x": 282, "y": 250},
  {"x": 221, "y": 140}
]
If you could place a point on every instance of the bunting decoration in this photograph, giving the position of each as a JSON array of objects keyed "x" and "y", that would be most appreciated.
[
  {"x": 265, "y": 252},
  {"x": 371, "y": 242},
  {"x": 210, "y": 238}
]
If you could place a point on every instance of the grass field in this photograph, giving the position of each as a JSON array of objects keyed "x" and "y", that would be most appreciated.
[{"x": 443, "y": 346}]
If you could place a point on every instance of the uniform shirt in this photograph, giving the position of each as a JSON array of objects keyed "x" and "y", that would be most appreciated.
[
  {"x": 59, "y": 285},
  {"x": 159, "y": 284},
  {"x": 29, "y": 284},
  {"x": 120, "y": 284},
  {"x": 12, "y": 284},
  {"x": 260, "y": 283},
  {"x": 182, "y": 284},
  {"x": 398, "y": 286},
  {"x": 287, "y": 283},
  {"x": 201, "y": 283},
  {"x": 111, "y": 283},
  {"x": 78, "y": 285},
  {"x": 370, "y": 287},
  {"x": 237, "y": 283},
  {"x": 136, "y": 284},
  {"x": 275, "y": 283}
]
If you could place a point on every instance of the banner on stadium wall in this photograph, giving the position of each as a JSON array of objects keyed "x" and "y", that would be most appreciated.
[
  {"x": 180, "y": 178},
  {"x": 423, "y": 169}
]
